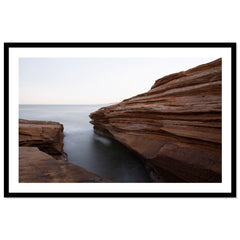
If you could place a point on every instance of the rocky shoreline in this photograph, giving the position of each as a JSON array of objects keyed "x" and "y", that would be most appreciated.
[
  {"x": 175, "y": 127},
  {"x": 41, "y": 156}
]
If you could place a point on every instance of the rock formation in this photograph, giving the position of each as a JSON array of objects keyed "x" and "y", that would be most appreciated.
[
  {"x": 46, "y": 135},
  {"x": 175, "y": 126},
  {"x": 41, "y": 156},
  {"x": 36, "y": 166}
]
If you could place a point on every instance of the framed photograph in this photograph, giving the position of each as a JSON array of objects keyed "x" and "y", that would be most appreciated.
[{"x": 120, "y": 119}]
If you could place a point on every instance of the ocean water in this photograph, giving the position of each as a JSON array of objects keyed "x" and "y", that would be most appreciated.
[{"x": 103, "y": 156}]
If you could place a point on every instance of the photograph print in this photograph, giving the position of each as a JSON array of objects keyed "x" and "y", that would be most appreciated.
[{"x": 120, "y": 120}]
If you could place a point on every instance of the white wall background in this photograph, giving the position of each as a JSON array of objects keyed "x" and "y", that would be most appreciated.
[{"x": 118, "y": 21}]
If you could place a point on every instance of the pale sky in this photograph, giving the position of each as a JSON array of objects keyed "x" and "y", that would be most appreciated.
[{"x": 93, "y": 80}]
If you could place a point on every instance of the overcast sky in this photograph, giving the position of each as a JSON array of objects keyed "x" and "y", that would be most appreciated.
[{"x": 93, "y": 80}]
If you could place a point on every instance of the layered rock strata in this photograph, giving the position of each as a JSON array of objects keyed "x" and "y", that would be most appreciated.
[
  {"x": 41, "y": 156},
  {"x": 46, "y": 135},
  {"x": 175, "y": 126}
]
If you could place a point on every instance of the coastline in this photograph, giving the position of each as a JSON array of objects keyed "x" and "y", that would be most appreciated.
[{"x": 175, "y": 127}]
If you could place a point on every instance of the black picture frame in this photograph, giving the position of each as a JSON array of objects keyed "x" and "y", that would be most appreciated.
[{"x": 10, "y": 45}]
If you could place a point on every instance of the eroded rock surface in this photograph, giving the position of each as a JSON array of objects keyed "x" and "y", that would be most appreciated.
[
  {"x": 175, "y": 126},
  {"x": 36, "y": 166},
  {"x": 46, "y": 135}
]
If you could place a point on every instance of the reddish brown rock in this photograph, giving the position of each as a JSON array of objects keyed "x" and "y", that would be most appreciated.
[
  {"x": 175, "y": 126},
  {"x": 36, "y": 166},
  {"x": 41, "y": 156},
  {"x": 46, "y": 135}
]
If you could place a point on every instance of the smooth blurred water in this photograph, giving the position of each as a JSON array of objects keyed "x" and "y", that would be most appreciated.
[{"x": 100, "y": 155}]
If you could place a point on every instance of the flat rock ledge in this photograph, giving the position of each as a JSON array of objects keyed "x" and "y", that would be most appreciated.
[
  {"x": 36, "y": 166},
  {"x": 41, "y": 156},
  {"x": 175, "y": 127}
]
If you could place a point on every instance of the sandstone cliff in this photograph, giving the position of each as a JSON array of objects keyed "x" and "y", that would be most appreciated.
[
  {"x": 41, "y": 156},
  {"x": 175, "y": 126}
]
